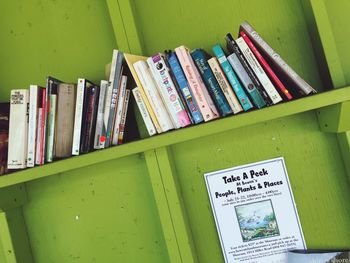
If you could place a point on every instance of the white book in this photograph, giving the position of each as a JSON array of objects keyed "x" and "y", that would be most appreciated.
[
  {"x": 124, "y": 114},
  {"x": 79, "y": 103},
  {"x": 119, "y": 111},
  {"x": 144, "y": 112},
  {"x": 32, "y": 125},
  {"x": 259, "y": 71},
  {"x": 107, "y": 106},
  {"x": 38, "y": 136},
  {"x": 18, "y": 129},
  {"x": 100, "y": 131},
  {"x": 153, "y": 96}
]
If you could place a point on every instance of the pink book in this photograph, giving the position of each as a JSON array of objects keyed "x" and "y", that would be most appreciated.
[{"x": 197, "y": 86}]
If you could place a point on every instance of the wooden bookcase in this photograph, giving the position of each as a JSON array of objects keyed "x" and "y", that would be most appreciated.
[{"x": 146, "y": 201}]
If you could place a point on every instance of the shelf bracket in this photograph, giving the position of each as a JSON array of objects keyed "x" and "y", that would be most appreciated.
[{"x": 335, "y": 118}]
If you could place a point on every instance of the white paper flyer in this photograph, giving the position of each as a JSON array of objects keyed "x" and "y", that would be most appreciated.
[{"x": 255, "y": 212}]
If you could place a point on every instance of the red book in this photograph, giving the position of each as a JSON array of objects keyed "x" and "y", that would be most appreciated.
[{"x": 266, "y": 67}]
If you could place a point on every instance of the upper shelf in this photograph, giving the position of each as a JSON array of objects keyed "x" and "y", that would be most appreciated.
[{"x": 273, "y": 112}]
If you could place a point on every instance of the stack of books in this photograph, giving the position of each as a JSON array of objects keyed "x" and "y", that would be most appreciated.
[{"x": 172, "y": 90}]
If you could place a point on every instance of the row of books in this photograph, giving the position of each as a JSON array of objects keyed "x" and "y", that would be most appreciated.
[
  {"x": 182, "y": 87},
  {"x": 172, "y": 90},
  {"x": 65, "y": 119}
]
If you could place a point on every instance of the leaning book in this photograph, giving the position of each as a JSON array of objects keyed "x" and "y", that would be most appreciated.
[{"x": 255, "y": 212}]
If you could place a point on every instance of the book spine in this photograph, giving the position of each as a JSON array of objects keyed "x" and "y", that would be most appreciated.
[
  {"x": 107, "y": 111},
  {"x": 32, "y": 126},
  {"x": 168, "y": 91},
  {"x": 114, "y": 79},
  {"x": 224, "y": 85},
  {"x": 301, "y": 85},
  {"x": 259, "y": 72},
  {"x": 232, "y": 78},
  {"x": 184, "y": 88},
  {"x": 89, "y": 119},
  {"x": 124, "y": 114},
  {"x": 257, "y": 99},
  {"x": 204, "y": 102},
  {"x": 144, "y": 112},
  {"x": 18, "y": 129},
  {"x": 42, "y": 129},
  {"x": 210, "y": 82},
  {"x": 119, "y": 110},
  {"x": 278, "y": 83},
  {"x": 79, "y": 103},
  {"x": 153, "y": 95},
  {"x": 233, "y": 48},
  {"x": 100, "y": 132},
  {"x": 38, "y": 137},
  {"x": 50, "y": 132}
]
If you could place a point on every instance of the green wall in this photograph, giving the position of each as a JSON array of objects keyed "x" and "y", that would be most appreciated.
[{"x": 66, "y": 39}]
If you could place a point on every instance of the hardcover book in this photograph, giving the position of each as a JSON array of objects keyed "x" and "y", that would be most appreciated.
[
  {"x": 232, "y": 78},
  {"x": 200, "y": 58},
  {"x": 144, "y": 112},
  {"x": 168, "y": 91},
  {"x": 153, "y": 95},
  {"x": 51, "y": 103},
  {"x": 184, "y": 88},
  {"x": 4, "y": 135},
  {"x": 18, "y": 129},
  {"x": 224, "y": 85},
  {"x": 283, "y": 68},
  {"x": 259, "y": 72},
  {"x": 65, "y": 120},
  {"x": 278, "y": 83},
  {"x": 200, "y": 92}
]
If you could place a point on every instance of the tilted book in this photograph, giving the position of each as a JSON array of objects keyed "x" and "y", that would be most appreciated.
[
  {"x": 184, "y": 87},
  {"x": 119, "y": 110},
  {"x": 250, "y": 79},
  {"x": 278, "y": 83},
  {"x": 35, "y": 98},
  {"x": 18, "y": 129},
  {"x": 144, "y": 112},
  {"x": 124, "y": 114},
  {"x": 168, "y": 91},
  {"x": 153, "y": 95},
  {"x": 200, "y": 58},
  {"x": 130, "y": 60},
  {"x": 114, "y": 80},
  {"x": 100, "y": 131},
  {"x": 224, "y": 85},
  {"x": 232, "y": 78},
  {"x": 259, "y": 72},
  {"x": 199, "y": 91},
  {"x": 301, "y": 85},
  {"x": 65, "y": 120},
  {"x": 257, "y": 99}
]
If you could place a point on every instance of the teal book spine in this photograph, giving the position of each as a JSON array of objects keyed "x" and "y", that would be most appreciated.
[
  {"x": 210, "y": 82},
  {"x": 232, "y": 78}
]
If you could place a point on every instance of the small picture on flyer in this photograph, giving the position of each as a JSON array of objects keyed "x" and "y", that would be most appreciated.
[{"x": 257, "y": 220}]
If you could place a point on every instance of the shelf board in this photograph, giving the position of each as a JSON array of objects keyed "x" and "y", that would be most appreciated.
[{"x": 273, "y": 112}]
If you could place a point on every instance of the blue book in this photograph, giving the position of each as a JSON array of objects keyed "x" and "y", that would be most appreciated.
[
  {"x": 183, "y": 86},
  {"x": 232, "y": 78},
  {"x": 210, "y": 82}
]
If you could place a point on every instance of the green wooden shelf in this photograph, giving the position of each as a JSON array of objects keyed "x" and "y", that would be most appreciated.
[{"x": 177, "y": 136}]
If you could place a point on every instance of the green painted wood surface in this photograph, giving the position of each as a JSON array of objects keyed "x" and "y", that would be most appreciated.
[
  {"x": 7, "y": 254},
  {"x": 278, "y": 111},
  {"x": 101, "y": 213},
  {"x": 66, "y": 39}
]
